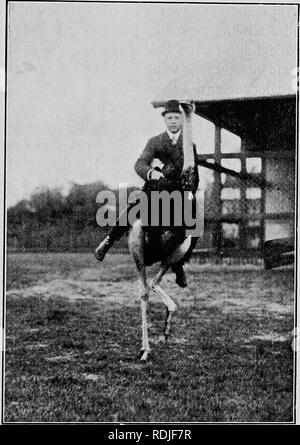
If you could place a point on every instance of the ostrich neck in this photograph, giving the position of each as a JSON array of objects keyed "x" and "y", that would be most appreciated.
[{"x": 188, "y": 152}]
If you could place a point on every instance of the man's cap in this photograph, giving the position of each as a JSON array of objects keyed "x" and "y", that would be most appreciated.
[{"x": 172, "y": 106}]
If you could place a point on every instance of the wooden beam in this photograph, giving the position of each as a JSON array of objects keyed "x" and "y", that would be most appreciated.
[{"x": 244, "y": 176}]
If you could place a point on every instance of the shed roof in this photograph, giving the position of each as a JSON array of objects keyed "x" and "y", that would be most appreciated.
[{"x": 269, "y": 122}]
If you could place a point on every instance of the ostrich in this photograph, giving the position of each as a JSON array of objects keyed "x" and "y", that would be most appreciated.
[{"x": 145, "y": 252}]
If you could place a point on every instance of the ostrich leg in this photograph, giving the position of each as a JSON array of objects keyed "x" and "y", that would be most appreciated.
[
  {"x": 136, "y": 247},
  {"x": 168, "y": 302},
  {"x": 145, "y": 339},
  {"x": 144, "y": 296},
  {"x": 170, "y": 308}
]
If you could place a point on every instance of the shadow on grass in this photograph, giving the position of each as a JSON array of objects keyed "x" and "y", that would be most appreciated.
[{"x": 76, "y": 361}]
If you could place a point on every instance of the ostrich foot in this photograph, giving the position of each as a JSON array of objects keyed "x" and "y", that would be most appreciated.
[{"x": 144, "y": 355}]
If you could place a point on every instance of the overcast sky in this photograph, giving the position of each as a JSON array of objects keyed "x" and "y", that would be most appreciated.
[{"x": 81, "y": 78}]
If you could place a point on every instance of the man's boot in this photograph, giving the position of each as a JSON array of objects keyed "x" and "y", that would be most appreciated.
[
  {"x": 103, "y": 248},
  {"x": 180, "y": 274}
]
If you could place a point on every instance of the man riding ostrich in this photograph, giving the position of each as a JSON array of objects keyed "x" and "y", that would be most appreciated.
[
  {"x": 167, "y": 148},
  {"x": 168, "y": 245}
]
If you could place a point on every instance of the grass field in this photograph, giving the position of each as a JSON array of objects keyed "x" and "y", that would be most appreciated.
[{"x": 73, "y": 332}]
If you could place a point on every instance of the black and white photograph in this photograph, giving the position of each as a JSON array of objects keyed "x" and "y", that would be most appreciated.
[{"x": 149, "y": 215}]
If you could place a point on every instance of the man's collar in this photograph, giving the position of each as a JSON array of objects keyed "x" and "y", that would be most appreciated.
[{"x": 173, "y": 135}]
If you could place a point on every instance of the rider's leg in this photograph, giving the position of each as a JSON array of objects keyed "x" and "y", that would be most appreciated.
[
  {"x": 115, "y": 234},
  {"x": 178, "y": 267}
]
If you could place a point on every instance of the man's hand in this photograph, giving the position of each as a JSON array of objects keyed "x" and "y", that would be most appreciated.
[{"x": 156, "y": 175}]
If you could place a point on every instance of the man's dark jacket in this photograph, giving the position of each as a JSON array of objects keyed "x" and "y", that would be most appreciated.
[{"x": 161, "y": 147}]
